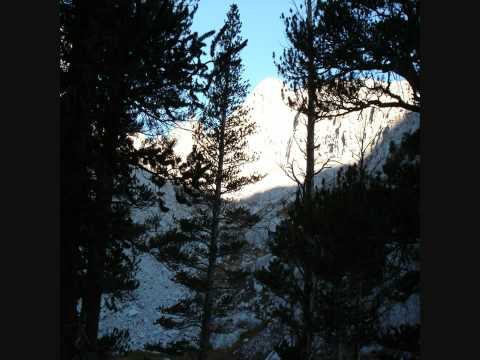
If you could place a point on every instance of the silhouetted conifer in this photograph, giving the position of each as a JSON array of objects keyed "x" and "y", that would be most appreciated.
[
  {"x": 370, "y": 44},
  {"x": 206, "y": 250},
  {"x": 127, "y": 67}
]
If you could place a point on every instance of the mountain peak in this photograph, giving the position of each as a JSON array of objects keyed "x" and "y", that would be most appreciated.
[{"x": 268, "y": 85}]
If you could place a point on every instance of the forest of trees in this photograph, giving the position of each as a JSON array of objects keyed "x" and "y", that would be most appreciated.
[{"x": 343, "y": 253}]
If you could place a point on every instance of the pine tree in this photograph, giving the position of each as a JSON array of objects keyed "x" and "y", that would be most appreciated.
[
  {"x": 206, "y": 250},
  {"x": 347, "y": 263},
  {"x": 298, "y": 66},
  {"x": 320, "y": 86},
  {"x": 401, "y": 183},
  {"x": 373, "y": 254},
  {"x": 124, "y": 70},
  {"x": 371, "y": 44}
]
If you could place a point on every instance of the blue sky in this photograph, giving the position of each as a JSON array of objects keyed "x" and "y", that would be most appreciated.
[{"x": 261, "y": 25}]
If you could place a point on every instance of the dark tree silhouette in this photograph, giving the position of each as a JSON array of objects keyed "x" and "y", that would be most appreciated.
[
  {"x": 299, "y": 66},
  {"x": 126, "y": 67},
  {"x": 206, "y": 250},
  {"x": 370, "y": 44}
]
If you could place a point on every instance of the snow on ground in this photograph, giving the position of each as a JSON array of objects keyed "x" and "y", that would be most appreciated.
[
  {"x": 273, "y": 356},
  {"x": 137, "y": 315},
  {"x": 261, "y": 344}
]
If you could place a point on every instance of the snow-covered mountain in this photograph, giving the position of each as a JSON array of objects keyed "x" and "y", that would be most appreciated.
[{"x": 278, "y": 143}]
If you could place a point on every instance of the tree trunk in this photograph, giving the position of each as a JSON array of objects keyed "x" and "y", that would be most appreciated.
[
  {"x": 69, "y": 233},
  {"x": 68, "y": 278},
  {"x": 74, "y": 188},
  {"x": 307, "y": 336},
  {"x": 346, "y": 351},
  {"x": 105, "y": 189},
  {"x": 207, "y": 305},
  {"x": 311, "y": 118},
  {"x": 212, "y": 257},
  {"x": 98, "y": 245}
]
